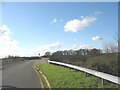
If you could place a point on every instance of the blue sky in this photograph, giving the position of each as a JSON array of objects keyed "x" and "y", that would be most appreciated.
[{"x": 40, "y": 27}]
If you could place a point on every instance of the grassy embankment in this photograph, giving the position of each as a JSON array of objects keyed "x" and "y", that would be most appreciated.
[{"x": 61, "y": 77}]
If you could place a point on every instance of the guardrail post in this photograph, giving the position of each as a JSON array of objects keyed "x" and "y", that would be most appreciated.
[
  {"x": 102, "y": 75},
  {"x": 86, "y": 74},
  {"x": 102, "y": 82}
]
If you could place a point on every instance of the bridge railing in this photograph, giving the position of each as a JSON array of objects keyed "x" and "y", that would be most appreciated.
[{"x": 101, "y": 75}]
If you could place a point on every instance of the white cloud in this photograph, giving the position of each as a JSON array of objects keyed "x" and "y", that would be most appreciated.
[
  {"x": 98, "y": 12},
  {"x": 4, "y": 30},
  {"x": 48, "y": 47},
  {"x": 85, "y": 46},
  {"x": 76, "y": 47},
  {"x": 8, "y": 46},
  {"x": 54, "y": 20},
  {"x": 76, "y": 25},
  {"x": 97, "y": 38},
  {"x": 5, "y": 37},
  {"x": 82, "y": 16},
  {"x": 54, "y": 45}
]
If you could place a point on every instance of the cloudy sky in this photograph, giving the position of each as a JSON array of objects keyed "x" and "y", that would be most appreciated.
[{"x": 31, "y": 28}]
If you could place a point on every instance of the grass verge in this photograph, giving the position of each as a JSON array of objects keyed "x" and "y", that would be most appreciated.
[
  {"x": 43, "y": 79},
  {"x": 61, "y": 77}
]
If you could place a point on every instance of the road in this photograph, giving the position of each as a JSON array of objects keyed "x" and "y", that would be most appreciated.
[{"x": 22, "y": 75}]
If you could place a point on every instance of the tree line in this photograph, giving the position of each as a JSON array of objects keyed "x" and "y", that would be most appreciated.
[{"x": 94, "y": 59}]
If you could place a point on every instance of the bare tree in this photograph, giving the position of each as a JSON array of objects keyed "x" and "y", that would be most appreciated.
[
  {"x": 112, "y": 47},
  {"x": 117, "y": 40}
]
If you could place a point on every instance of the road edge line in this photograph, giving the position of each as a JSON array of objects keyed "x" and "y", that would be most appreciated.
[
  {"x": 34, "y": 67},
  {"x": 44, "y": 78}
]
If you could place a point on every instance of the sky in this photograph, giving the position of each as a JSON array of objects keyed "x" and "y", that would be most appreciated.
[{"x": 29, "y": 28}]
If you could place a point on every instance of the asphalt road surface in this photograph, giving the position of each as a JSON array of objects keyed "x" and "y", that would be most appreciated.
[{"x": 22, "y": 75}]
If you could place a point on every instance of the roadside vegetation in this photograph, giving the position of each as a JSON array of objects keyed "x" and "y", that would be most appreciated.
[
  {"x": 103, "y": 62},
  {"x": 12, "y": 59},
  {"x": 8, "y": 61},
  {"x": 61, "y": 77}
]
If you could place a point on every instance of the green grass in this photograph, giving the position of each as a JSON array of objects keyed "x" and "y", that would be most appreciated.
[{"x": 61, "y": 77}]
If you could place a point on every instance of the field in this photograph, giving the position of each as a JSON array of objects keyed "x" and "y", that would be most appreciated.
[{"x": 61, "y": 77}]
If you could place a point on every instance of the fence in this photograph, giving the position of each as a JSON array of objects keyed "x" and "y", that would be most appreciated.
[{"x": 102, "y": 75}]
